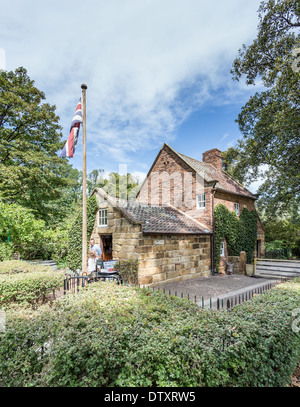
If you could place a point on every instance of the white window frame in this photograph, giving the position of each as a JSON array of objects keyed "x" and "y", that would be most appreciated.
[
  {"x": 222, "y": 249},
  {"x": 102, "y": 217},
  {"x": 201, "y": 201},
  {"x": 237, "y": 209}
]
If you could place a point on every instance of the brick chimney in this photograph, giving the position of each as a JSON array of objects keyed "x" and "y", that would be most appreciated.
[{"x": 213, "y": 157}]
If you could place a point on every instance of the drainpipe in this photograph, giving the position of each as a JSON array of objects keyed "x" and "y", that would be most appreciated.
[{"x": 213, "y": 266}]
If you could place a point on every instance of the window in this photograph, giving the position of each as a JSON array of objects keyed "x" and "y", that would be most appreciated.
[
  {"x": 237, "y": 209},
  {"x": 201, "y": 201},
  {"x": 222, "y": 251},
  {"x": 102, "y": 217}
]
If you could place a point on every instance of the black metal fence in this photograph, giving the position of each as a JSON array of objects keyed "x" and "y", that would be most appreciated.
[
  {"x": 73, "y": 284},
  {"x": 223, "y": 302}
]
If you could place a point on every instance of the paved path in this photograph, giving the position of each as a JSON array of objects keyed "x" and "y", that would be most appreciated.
[{"x": 221, "y": 286}]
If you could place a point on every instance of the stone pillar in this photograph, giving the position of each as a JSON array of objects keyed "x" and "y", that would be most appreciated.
[{"x": 243, "y": 259}]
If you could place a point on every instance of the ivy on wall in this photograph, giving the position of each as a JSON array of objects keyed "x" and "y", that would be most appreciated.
[
  {"x": 240, "y": 233},
  {"x": 74, "y": 257}
]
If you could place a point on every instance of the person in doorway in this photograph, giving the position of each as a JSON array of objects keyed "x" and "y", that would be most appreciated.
[
  {"x": 96, "y": 248},
  {"x": 92, "y": 261}
]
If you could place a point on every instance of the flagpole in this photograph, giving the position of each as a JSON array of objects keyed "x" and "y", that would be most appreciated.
[{"x": 84, "y": 222}]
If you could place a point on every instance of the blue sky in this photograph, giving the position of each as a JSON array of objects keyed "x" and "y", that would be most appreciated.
[{"x": 157, "y": 71}]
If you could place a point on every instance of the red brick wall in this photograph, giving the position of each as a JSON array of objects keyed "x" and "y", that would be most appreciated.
[
  {"x": 213, "y": 157},
  {"x": 167, "y": 182},
  {"x": 229, "y": 200}
]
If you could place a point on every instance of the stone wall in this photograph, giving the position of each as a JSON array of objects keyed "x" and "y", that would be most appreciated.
[
  {"x": 173, "y": 257},
  {"x": 126, "y": 236},
  {"x": 239, "y": 263},
  {"x": 161, "y": 257}
]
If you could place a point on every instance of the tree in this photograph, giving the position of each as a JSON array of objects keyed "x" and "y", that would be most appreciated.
[
  {"x": 270, "y": 120},
  {"x": 93, "y": 179},
  {"x": 283, "y": 232},
  {"x": 119, "y": 186},
  {"x": 31, "y": 173}
]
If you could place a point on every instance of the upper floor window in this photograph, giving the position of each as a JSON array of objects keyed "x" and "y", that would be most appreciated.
[
  {"x": 102, "y": 217},
  {"x": 237, "y": 209},
  {"x": 201, "y": 201}
]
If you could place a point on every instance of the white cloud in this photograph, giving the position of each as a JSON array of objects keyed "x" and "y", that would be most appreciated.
[{"x": 148, "y": 64}]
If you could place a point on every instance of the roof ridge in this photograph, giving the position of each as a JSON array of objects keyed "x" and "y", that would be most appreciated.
[{"x": 225, "y": 172}]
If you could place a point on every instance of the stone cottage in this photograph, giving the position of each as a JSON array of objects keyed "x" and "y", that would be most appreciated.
[
  {"x": 170, "y": 226},
  {"x": 196, "y": 187},
  {"x": 169, "y": 244}
]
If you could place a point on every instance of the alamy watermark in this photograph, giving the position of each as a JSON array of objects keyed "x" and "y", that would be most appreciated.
[
  {"x": 296, "y": 62},
  {"x": 2, "y": 60},
  {"x": 296, "y": 322},
  {"x": 180, "y": 189},
  {"x": 2, "y": 321}
]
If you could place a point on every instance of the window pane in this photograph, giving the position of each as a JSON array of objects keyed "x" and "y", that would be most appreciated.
[
  {"x": 201, "y": 200},
  {"x": 103, "y": 217}
]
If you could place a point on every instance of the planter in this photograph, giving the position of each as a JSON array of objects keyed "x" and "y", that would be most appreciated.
[{"x": 249, "y": 270}]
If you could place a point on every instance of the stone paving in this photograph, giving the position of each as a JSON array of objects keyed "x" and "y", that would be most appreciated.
[{"x": 213, "y": 286}]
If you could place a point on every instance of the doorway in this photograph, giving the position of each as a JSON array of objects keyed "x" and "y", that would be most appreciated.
[
  {"x": 258, "y": 249},
  {"x": 106, "y": 246}
]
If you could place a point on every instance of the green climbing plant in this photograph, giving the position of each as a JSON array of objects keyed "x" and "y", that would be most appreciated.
[
  {"x": 240, "y": 233},
  {"x": 74, "y": 257}
]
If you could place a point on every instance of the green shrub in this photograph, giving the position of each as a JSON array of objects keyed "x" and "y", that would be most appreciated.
[
  {"x": 6, "y": 251},
  {"x": 110, "y": 335},
  {"x": 18, "y": 266},
  {"x": 29, "y": 287},
  {"x": 240, "y": 233},
  {"x": 128, "y": 269},
  {"x": 74, "y": 256}
]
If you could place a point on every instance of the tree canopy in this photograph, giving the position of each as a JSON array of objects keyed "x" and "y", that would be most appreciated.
[
  {"x": 270, "y": 120},
  {"x": 31, "y": 173}
]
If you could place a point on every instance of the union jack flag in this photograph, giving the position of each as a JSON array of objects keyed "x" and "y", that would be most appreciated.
[{"x": 69, "y": 148}]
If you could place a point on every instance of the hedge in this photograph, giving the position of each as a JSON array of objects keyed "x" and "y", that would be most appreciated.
[
  {"x": 110, "y": 335},
  {"x": 25, "y": 283},
  {"x": 19, "y": 266}
]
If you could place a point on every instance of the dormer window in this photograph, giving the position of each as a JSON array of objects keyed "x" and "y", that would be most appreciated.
[
  {"x": 237, "y": 209},
  {"x": 201, "y": 201}
]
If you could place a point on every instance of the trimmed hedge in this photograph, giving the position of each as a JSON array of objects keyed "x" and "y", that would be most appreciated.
[
  {"x": 110, "y": 335},
  {"x": 25, "y": 283},
  {"x": 18, "y": 266},
  {"x": 28, "y": 288}
]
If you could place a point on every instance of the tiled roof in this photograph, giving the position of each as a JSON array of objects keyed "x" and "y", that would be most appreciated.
[
  {"x": 156, "y": 219},
  {"x": 163, "y": 219},
  {"x": 225, "y": 182}
]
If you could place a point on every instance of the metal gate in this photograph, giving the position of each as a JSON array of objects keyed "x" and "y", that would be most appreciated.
[{"x": 273, "y": 268}]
